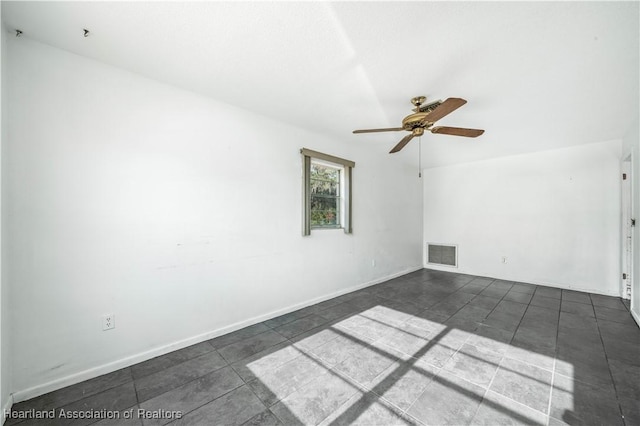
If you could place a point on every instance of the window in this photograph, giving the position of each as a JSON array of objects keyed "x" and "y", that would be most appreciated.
[
  {"x": 327, "y": 192},
  {"x": 326, "y": 199}
]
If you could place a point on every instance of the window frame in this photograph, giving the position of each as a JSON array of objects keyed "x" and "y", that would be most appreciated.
[
  {"x": 338, "y": 197},
  {"x": 345, "y": 189}
]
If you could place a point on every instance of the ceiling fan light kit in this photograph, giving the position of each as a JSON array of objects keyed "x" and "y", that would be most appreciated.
[{"x": 424, "y": 117}]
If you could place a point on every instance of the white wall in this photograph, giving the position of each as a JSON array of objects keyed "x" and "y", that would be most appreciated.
[
  {"x": 179, "y": 214},
  {"x": 631, "y": 146},
  {"x": 555, "y": 215}
]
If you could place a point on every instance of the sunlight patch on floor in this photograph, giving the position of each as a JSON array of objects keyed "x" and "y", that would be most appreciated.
[{"x": 374, "y": 366}]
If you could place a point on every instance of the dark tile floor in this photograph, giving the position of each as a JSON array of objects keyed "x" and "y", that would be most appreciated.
[{"x": 426, "y": 348}]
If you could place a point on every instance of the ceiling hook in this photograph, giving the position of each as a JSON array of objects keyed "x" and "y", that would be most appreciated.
[
  {"x": 18, "y": 33},
  {"x": 86, "y": 32}
]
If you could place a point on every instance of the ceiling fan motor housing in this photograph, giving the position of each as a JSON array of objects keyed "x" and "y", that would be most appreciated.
[{"x": 414, "y": 121}]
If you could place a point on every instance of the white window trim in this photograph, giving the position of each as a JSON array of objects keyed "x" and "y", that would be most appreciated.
[{"x": 345, "y": 190}]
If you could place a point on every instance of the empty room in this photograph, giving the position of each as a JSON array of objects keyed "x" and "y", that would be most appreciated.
[{"x": 319, "y": 213}]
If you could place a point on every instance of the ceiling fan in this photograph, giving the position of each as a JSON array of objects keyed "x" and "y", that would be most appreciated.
[{"x": 424, "y": 117}]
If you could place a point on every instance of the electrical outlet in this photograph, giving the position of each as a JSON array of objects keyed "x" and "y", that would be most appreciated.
[
  {"x": 108, "y": 322},
  {"x": 504, "y": 259}
]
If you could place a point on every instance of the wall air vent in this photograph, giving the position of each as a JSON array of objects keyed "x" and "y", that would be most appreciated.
[{"x": 442, "y": 254}]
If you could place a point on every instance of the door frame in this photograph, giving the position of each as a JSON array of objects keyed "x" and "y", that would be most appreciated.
[{"x": 627, "y": 246}]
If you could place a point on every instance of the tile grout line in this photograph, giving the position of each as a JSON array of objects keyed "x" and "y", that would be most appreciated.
[
  {"x": 440, "y": 369},
  {"x": 405, "y": 411},
  {"x": 494, "y": 308},
  {"x": 83, "y": 397},
  {"x": 351, "y": 382},
  {"x": 555, "y": 358},
  {"x": 615, "y": 389},
  {"x": 458, "y": 350},
  {"x": 246, "y": 383},
  {"x": 58, "y": 408},
  {"x": 553, "y": 370},
  {"x": 188, "y": 382},
  {"x": 520, "y": 323},
  {"x": 468, "y": 337},
  {"x": 508, "y": 397},
  {"x": 506, "y": 357},
  {"x": 502, "y": 356},
  {"x": 208, "y": 402},
  {"x": 176, "y": 364}
]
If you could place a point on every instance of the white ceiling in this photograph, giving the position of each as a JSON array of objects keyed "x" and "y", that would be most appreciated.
[{"x": 537, "y": 76}]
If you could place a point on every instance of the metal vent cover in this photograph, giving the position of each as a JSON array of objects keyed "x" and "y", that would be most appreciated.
[{"x": 442, "y": 254}]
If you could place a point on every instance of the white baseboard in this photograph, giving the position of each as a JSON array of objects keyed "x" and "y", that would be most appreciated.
[
  {"x": 6, "y": 407},
  {"x": 72, "y": 379},
  {"x": 635, "y": 316},
  {"x": 546, "y": 284}
]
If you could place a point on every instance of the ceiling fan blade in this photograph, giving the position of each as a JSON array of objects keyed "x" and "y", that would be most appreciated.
[
  {"x": 402, "y": 143},
  {"x": 457, "y": 131},
  {"x": 391, "y": 129},
  {"x": 445, "y": 108}
]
